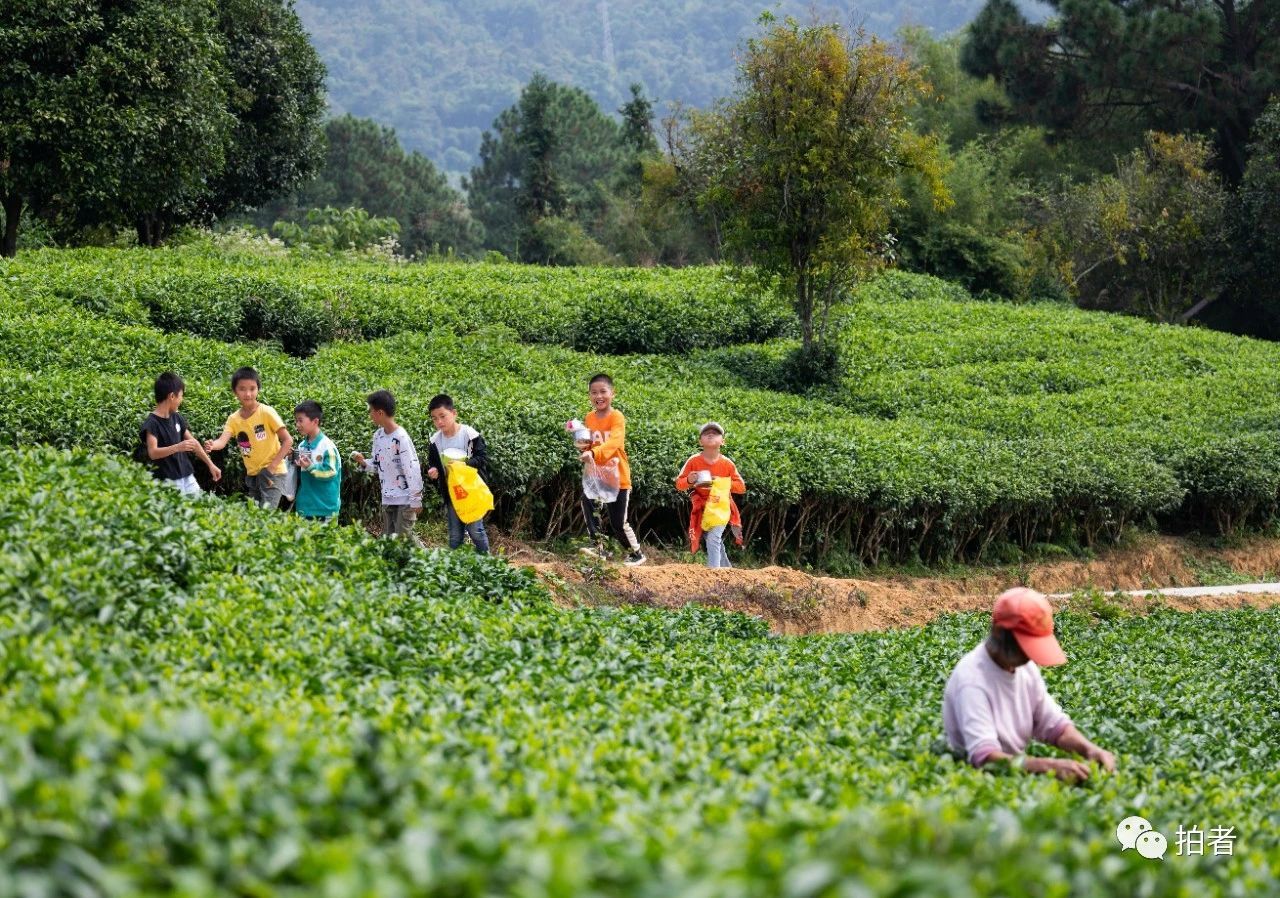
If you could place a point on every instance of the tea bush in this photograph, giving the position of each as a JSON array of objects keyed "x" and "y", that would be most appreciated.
[
  {"x": 956, "y": 425},
  {"x": 880, "y": 488},
  {"x": 302, "y": 303},
  {"x": 202, "y": 698}
]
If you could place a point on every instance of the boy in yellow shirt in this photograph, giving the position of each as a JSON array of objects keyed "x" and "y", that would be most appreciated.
[{"x": 263, "y": 440}]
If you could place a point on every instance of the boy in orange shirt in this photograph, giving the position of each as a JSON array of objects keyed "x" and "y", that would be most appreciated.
[
  {"x": 697, "y": 474},
  {"x": 609, "y": 451}
]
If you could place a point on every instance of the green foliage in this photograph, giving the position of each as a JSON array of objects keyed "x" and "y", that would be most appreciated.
[
  {"x": 1151, "y": 240},
  {"x": 997, "y": 174},
  {"x": 203, "y": 698},
  {"x": 110, "y": 112},
  {"x": 1112, "y": 73},
  {"x": 802, "y": 164},
  {"x": 277, "y": 97},
  {"x": 151, "y": 114},
  {"x": 311, "y": 300},
  {"x": 956, "y": 426},
  {"x": 365, "y": 166},
  {"x": 1254, "y": 293},
  {"x": 553, "y": 156},
  {"x": 338, "y": 230},
  {"x": 977, "y": 241},
  {"x": 951, "y": 109},
  {"x": 441, "y": 71}
]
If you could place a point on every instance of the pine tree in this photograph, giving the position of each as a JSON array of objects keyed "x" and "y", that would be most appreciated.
[{"x": 1113, "y": 71}]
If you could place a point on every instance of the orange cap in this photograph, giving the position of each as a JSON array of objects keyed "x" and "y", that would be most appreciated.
[{"x": 1029, "y": 616}]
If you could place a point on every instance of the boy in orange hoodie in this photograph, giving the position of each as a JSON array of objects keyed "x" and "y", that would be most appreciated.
[
  {"x": 609, "y": 451},
  {"x": 697, "y": 474}
]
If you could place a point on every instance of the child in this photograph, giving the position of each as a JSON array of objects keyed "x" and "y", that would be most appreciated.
[
  {"x": 263, "y": 439},
  {"x": 396, "y": 461},
  {"x": 609, "y": 451},
  {"x": 319, "y": 467},
  {"x": 167, "y": 441},
  {"x": 452, "y": 435},
  {"x": 697, "y": 473}
]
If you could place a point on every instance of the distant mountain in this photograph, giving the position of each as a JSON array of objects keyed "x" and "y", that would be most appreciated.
[{"x": 439, "y": 71}]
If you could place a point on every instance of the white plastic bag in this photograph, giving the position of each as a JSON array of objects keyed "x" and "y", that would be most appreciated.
[
  {"x": 289, "y": 488},
  {"x": 600, "y": 482}
]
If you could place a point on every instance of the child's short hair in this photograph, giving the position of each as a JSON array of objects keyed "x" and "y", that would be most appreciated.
[
  {"x": 383, "y": 401},
  {"x": 245, "y": 373},
  {"x": 600, "y": 377},
  {"x": 167, "y": 384},
  {"x": 310, "y": 409},
  {"x": 441, "y": 400}
]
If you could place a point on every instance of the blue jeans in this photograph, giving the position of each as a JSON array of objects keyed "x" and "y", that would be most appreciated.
[
  {"x": 458, "y": 531},
  {"x": 716, "y": 554}
]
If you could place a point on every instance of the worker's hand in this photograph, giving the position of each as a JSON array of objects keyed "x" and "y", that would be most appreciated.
[
  {"x": 1067, "y": 770},
  {"x": 357, "y": 458},
  {"x": 433, "y": 473},
  {"x": 304, "y": 462},
  {"x": 587, "y": 456},
  {"x": 209, "y": 446},
  {"x": 188, "y": 445},
  {"x": 215, "y": 472},
  {"x": 1105, "y": 759}
]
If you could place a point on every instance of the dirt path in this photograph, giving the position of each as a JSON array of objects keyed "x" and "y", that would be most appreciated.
[{"x": 797, "y": 603}]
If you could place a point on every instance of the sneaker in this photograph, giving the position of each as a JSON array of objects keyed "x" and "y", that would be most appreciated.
[{"x": 635, "y": 559}]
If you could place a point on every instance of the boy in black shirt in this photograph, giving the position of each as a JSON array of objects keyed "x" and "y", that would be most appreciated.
[{"x": 166, "y": 440}]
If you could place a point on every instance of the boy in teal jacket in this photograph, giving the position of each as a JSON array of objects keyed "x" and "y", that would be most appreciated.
[{"x": 319, "y": 467}]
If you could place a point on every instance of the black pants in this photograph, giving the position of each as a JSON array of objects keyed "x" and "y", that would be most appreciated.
[{"x": 615, "y": 513}]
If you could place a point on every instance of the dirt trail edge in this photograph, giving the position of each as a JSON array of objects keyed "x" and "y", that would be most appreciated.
[{"x": 795, "y": 603}]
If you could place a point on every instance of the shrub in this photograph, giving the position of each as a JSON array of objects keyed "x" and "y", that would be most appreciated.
[{"x": 206, "y": 698}]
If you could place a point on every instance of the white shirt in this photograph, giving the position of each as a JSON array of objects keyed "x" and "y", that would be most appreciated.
[
  {"x": 396, "y": 461},
  {"x": 986, "y": 709}
]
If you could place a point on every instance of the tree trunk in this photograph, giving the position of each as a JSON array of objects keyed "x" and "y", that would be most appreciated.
[
  {"x": 152, "y": 229},
  {"x": 12, "y": 214},
  {"x": 804, "y": 308}
]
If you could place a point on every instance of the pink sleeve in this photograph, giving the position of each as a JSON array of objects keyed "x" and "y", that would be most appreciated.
[
  {"x": 1048, "y": 719},
  {"x": 977, "y": 724}
]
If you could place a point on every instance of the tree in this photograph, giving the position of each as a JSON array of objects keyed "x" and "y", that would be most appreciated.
[
  {"x": 553, "y": 154},
  {"x": 276, "y": 95},
  {"x": 540, "y": 195},
  {"x": 976, "y": 242},
  {"x": 1150, "y": 240},
  {"x": 1253, "y": 303},
  {"x": 994, "y": 172},
  {"x": 365, "y": 166},
  {"x": 112, "y": 111},
  {"x": 1111, "y": 71},
  {"x": 803, "y": 162}
]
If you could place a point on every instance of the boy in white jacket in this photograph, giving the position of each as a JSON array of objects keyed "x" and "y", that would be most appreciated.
[{"x": 396, "y": 461}]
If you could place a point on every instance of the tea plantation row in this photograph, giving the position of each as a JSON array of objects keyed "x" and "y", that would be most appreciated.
[
  {"x": 958, "y": 425},
  {"x": 207, "y": 699},
  {"x": 821, "y": 478},
  {"x": 303, "y": 304}
]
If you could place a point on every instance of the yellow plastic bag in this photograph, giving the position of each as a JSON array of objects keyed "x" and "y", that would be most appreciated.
[
  {"x": 469, "y": 494},
  {"x": 716, "y": 511}
]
